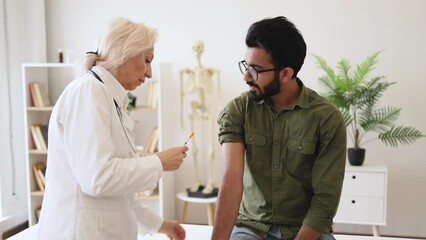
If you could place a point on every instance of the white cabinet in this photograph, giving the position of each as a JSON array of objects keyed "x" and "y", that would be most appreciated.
[
  {"x": 53, "y": 77},
  {"x": 364, "y": 196}
]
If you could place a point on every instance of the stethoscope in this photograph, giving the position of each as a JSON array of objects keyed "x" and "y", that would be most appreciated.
[{"x": 120, "y": 116}]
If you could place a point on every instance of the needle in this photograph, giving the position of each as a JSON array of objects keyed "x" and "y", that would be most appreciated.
[{"x": 189, "y": 138}]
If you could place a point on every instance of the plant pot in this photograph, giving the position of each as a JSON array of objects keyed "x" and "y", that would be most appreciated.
[{"x": 356, "y": 156}]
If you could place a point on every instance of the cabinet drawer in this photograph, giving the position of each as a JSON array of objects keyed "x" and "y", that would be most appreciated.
[
  {"x": 361, "y": 209},
  {"x": 366, "y": 184}
]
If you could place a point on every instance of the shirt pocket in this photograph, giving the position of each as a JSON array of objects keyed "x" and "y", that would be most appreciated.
[
  {"x": 255, "y": 148},
  {"x": 300, "y": 157}
]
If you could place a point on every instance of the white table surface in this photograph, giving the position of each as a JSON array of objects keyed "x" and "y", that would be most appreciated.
[
  {"x": 196, "y": 232},
  {"x": 193, "y": 232}
]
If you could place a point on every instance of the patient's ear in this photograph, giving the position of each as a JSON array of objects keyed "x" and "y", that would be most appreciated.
[{"x": 286, "y": 74}]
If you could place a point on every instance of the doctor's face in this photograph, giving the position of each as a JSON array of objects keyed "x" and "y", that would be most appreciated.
[{"x": 133, "y": 72}]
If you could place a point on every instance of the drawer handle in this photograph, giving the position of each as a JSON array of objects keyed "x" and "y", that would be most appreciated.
[
  {"x": 353, "y": 201},
  {"x": 353, "y": 177}
]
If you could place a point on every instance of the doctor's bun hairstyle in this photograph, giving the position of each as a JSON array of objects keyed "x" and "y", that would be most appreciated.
[{"x": 122, "y": 40}]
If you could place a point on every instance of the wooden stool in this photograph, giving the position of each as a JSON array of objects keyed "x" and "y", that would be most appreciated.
[{"x": 186, "y": 200}]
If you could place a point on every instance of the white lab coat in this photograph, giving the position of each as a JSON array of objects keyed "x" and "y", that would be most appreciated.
[{"x": 91, "y": 176}]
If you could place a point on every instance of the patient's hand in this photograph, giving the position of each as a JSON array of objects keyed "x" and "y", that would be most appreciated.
[{"x": 173, "y": 230}]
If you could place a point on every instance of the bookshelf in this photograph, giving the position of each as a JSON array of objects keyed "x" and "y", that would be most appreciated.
[
  {"x": 52, "y": 77},
  {"x": 146, "y": 114}
]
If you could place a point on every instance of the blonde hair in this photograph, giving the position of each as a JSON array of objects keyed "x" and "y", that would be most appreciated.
[{"x": 123, "y": 39}]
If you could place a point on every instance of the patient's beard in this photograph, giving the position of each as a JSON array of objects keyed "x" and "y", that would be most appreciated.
[{"x": 268, "y": 91}]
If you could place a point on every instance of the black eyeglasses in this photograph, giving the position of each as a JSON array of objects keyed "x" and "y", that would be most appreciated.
[{"x": 253, "y": 72}]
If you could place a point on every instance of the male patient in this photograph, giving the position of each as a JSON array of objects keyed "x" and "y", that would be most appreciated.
[{"x": 283, "y": 145}]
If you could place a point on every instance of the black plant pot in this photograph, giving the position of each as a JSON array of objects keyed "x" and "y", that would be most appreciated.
[{"x": 356, "y": 156}]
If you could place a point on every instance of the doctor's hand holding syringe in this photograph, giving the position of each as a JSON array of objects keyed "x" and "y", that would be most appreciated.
[{"x": 172, "y": 158}]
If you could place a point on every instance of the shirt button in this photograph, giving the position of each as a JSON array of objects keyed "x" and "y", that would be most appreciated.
[
  {"x": 300, "y": 147},
  {"x": 250, "y": 139},
  {"x": 275, "y": 166},
  {"x": 276, "y": 142}
]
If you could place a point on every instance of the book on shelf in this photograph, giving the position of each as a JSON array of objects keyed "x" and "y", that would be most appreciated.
[
  {"x": 32, "y": 94},
  {"x": 39, "y": 136},
  {"x": 37, "y": 212},
  {"x": 38, "y": 94},
  {"x": 39, "y": 170},
  {"x": 44, "y": 129},
  {"x": 152, "y": 96},
  {"x": 35, "y": 138},
  {"x": 44, "y": 95},
  {"x": 42, "y": 173},
  {"x": 151, "y": 142}
]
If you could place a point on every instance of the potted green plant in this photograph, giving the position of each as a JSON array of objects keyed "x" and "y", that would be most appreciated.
[
  {"x": 357, "y": 97},
  {"x": 132, "y": 101}
]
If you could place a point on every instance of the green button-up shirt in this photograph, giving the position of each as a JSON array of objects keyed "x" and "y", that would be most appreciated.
[{"x": 294, "y": 161}]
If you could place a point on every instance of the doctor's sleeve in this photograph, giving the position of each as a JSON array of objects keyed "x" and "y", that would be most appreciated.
[{"x": 149, "y": 222}]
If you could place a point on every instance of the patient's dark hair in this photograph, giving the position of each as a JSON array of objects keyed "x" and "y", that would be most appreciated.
[{"x": 281, "y": 39}]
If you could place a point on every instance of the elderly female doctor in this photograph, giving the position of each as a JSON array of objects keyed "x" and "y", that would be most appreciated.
[{"x": 93, "y": 170}]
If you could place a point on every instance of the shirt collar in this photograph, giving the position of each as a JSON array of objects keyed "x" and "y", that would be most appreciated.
[
  {"x": 302, "y": 100},
  {"x": 118, "y": 92}
]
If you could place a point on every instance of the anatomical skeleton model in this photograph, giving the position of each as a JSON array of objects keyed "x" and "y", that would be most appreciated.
[{"x": 199, "y": 83}]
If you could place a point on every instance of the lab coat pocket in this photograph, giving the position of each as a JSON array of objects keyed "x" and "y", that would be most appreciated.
[
  {"x": 99, "y": 224},
  {"x": 99, "y": 217},
  {"x": 101, "y": 203}
]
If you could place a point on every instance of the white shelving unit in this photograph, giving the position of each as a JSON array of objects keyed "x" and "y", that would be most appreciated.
[
  {"x": 166, "y": 107},
  {"x": 146, "y": 118},
  {"x": 55, "y": 76},
  {"x": 162, "y": 200}
]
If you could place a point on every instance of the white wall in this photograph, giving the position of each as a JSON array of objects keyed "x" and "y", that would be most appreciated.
[
  {"x": 22, "y": 40},
  {"x": 332, "y": 28},
  {"x": 4, "y": 98}
]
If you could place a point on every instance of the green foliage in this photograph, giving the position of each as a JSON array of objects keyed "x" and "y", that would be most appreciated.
[
  {"x": 357, "y": 96},
  {"x": 132, "y": 101}
]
